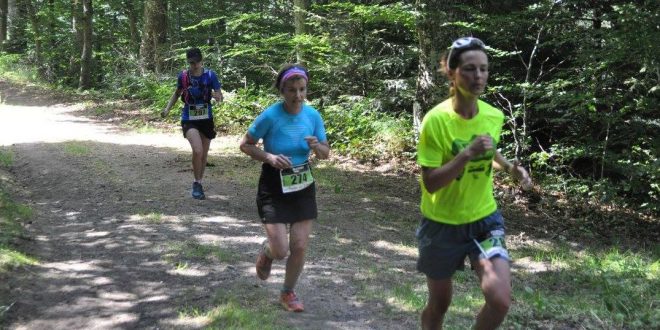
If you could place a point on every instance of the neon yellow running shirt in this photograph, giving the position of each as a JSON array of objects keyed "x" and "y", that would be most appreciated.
[{"x": 445, "y": 134}]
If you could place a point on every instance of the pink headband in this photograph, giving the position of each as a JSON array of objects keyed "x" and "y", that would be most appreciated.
[{"x": 294, "y": 71}]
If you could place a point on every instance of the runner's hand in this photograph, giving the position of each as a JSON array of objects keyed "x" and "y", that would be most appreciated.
[
  {"x": 278, "y": 161},
  {"x": 164, "y": 113},
  {"x": 520, "y": 174},
  {"x": 312, "y": 141},
  {"x": 480, "y": 145}
]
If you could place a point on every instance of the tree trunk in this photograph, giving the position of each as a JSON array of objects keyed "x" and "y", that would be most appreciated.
[
  {"x": 154, "y": 34},
  {"x": 300, "y": 11},
  {"x": 4, "y": 12},
  {"x": 86, "y": 58},
  {"x": 36, "y": 30},
  {"x": 76, "y": 42},
  {"x": 12, "y": 14},
  {"x": 131, "y": 13}
]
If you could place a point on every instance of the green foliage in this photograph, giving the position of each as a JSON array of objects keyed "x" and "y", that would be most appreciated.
[
  {"x": 11, "y": 217},
  {"x": 239, "y": 109},
  {"x": 598, "y": 289},
  {"x": 355, "y": 127},
  {"x": 13, "y": 68},
  {"x": 6, "y": 158},
  {"x": 577, "y": 80},
  {"x": 231, "y": 315},
  {"x": 582, "y": 99}
]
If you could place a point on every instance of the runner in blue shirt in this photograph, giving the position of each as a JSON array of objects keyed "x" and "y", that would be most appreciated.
[
  {"x": 286, "y": 196},
  {"x": 198, "y": 88}
]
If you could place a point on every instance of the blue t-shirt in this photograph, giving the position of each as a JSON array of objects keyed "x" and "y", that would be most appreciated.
[
  {"x": 284, "y": 133},
  {"x": 198, "y": 94}
]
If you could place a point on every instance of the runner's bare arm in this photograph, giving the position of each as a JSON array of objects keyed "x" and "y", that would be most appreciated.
[
  {"x": 249, "y": 147},
  {"x": 171, "y": 102},
  {"x": 515, "y": 169},
  {"x": 217, "y": 95}
]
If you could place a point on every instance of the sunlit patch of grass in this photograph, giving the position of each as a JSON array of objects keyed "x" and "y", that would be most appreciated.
[
  {"x": 10, "y": 259},
  {"x": 598, "y": 289},
  {"x": 76, "y": 148},
  {"x": 153, "y": 217},
  {"x": 409, "y": 296},
  {"x": 6, "y": 158},
  {"x": 231, "y": 315},
  {"x": 180, "y": 254},
  {"x": 13, "y": 70},
  {"x": 11, "y": 216},
  {"x": 182, "y": 265},
  {"x": 244, "y": 307}
]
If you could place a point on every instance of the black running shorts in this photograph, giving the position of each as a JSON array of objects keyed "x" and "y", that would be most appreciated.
[
  {"x": 205, "y": 127},
  {"x": 274, "y": 206}
]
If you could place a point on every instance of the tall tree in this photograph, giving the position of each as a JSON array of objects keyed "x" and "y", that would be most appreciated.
[
  {"x": 131, "y": 13},
  {"x": 154, "y": 34},
  {"x": 36, "y": 32},
  {"x": 86, "y": 58},
  {"x": 300, "y": 12},
  {"x": 4, "y": 12},
  {"x": 76, "y": 41}
]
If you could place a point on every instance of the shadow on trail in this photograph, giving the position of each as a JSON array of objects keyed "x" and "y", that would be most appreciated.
[{"x": 122, "y": 244}]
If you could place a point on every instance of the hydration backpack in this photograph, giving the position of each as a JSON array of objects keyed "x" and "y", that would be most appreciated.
[{"x": 204, "y": 84}]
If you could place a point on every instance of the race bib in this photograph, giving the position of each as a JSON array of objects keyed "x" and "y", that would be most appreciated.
[
  {"x": 493, "y": 246},
  {"x": 198, "y": 112},
  {"x": 296, "y": 178}
]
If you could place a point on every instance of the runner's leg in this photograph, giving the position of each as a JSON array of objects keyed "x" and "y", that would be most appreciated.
[
  {"x": 440, "y": 292},
  {"x": 298, "y": 239},
  {"x": 195, "y": 140},
  {"x": 495, "y": 278},
  {"x": 277, "y": 240},
  {"x": 206, "y": 145}
]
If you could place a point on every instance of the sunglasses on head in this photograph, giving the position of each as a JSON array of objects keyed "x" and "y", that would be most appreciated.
[{"x": 465, "y": 42}]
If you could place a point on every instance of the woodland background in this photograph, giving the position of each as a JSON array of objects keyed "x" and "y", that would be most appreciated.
[{"x": 577, "y": 80}]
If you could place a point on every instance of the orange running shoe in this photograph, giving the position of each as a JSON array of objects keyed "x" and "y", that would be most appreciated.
[
  {"x": 291, "y": 302},
  {"x": 263, "y": 265}
]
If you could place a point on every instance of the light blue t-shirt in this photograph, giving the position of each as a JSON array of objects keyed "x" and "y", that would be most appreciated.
[{"x": 284, "y": 133}]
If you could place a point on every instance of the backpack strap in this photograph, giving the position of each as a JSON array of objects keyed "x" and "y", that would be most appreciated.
[
  {"x": 185, "y": 83},
  {"x": 206, "y": 81}
]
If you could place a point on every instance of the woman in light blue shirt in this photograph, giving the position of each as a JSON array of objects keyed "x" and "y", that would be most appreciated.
[{"x": 286, "y": 196}]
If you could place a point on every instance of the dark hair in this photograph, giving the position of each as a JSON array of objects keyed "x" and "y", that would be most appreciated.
[
  {"x": 284, "y": 69},
  {"x": 194, "y": 54}
]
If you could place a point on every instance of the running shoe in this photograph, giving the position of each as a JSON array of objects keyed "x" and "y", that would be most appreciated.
[
  {"x": 263, "y": 265},
  {"x": 290, "y": 302},
  {"x": 197, "y": 191}
]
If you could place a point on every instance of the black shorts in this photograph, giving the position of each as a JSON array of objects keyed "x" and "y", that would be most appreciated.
[
  {"x": 274, "y": 206},
  {"x": 205, "y": 127},
  {"x": 443, "y": 247}
]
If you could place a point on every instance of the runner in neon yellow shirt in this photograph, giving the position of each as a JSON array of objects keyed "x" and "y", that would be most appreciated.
[
  {"x": 457, "y": 151},
  {"x": 445, "y": 134}
]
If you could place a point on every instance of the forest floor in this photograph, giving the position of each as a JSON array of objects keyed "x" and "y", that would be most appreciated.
[{"x": 121, "y": 244}]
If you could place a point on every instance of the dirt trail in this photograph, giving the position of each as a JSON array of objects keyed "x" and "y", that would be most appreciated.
[{"x": 121, "y": 243}]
